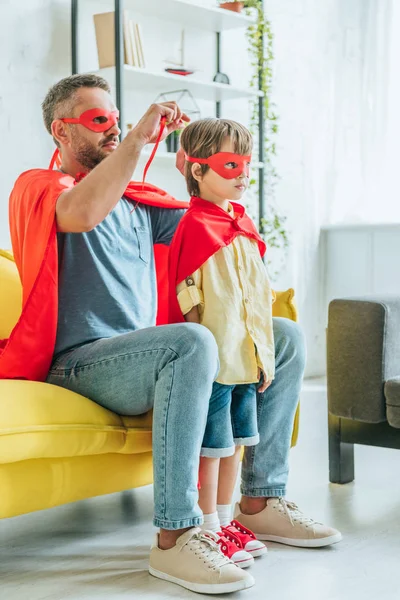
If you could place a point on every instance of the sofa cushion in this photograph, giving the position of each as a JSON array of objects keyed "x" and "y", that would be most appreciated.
[
  {"x": 392, "y": 394},
  {"x": 284, "y": 305},
  {"x": 39, "y": 420},
  {"x": 137, "y": 432},
  {"x": 10, "y": 294}
]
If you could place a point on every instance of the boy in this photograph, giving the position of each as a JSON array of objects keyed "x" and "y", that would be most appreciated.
[{"x": 218, "y": 279}]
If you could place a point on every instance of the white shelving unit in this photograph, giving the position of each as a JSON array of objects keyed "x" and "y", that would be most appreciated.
[
  {"x": 190, "y": 14},
  {"x": 146, "y": 80},
  {"x": 187, "y": 13}
]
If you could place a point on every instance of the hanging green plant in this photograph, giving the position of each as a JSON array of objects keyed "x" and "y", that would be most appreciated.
[{"x": 260, "y": 40}]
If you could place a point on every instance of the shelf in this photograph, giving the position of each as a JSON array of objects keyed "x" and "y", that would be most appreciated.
[
  {"x": 189, "y": 14},
  {"x": 156, "y": 82}
]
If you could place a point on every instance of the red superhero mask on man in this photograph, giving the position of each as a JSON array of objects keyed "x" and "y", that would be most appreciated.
[{"x": 96, "y": 119}]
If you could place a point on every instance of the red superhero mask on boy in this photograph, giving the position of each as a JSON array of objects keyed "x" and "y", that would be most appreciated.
[
  {"x": 220, "y": 163},
  {"x": 96, "y": 119}
]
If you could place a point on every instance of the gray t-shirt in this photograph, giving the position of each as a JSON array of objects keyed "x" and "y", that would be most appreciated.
[{"x": 107, "y": 279}]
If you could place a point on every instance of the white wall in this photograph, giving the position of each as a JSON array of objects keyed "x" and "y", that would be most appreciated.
[
  {"x": 331, "y": 75},
  {"x": 34, "y": 53}
]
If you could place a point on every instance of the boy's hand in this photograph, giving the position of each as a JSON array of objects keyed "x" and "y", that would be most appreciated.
[{"x": 266, "y": 382}]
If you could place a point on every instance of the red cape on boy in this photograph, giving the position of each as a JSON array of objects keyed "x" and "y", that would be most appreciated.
[
  {"x": 202, "y": 231},
  {"x": 28, "y": 352}
]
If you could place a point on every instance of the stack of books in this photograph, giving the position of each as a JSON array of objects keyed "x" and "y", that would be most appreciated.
[{"x": 105, "y": 38}]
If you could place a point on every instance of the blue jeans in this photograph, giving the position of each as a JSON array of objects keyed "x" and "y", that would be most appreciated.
[
  {"x": 171, "y": 369},
  {"x": 231, "y": 420}
]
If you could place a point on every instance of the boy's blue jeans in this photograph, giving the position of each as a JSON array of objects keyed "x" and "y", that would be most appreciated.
[
  {"x": 231, "y": 419},
  {"x": 172, "y": 369}
]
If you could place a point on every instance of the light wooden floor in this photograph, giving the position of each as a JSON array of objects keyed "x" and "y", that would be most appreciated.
[{"x": 98, "y": 549}]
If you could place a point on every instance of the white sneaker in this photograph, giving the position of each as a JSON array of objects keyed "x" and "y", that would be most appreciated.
[
  {"x": 197, "y": 564},
  {"x": 283, "y": 522}
]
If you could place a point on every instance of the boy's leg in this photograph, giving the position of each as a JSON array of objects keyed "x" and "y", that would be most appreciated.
[
  {"x": 228, "y": 472},
  {"x": 169, "y": 368},
  {"x": 266, "y": 466},
  {"x": 208, "y": 480},
  {"x": 245, "y": 433},
  {"x": 217, "y": 443}
]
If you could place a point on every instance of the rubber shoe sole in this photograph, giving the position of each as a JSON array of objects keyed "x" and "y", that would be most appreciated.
[
  {"x": 258, "y": 552},
  {"x": 315, "y": 543},
  {"x": 206, "y": 588},
  {"x": 244, "y": 564}
]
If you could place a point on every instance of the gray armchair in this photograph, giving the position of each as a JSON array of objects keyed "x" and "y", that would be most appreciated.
[{"x": 363, "y": 369}]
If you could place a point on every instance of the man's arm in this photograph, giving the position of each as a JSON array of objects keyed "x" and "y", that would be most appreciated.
[{"x": 87, "y": 204}]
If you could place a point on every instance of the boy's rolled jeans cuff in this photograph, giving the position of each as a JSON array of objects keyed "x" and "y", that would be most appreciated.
[
  {"x": 173, "y": 525},
  {"x": 247, "y": 441},
  {"x": 217, "y": 452},
  {"x": 263, "y": 493}
]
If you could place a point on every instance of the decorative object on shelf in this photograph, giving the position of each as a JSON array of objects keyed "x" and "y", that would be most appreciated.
[
  {"x": 178, "y": 60},
  {"x": 272, "y": 223},
  {"x": 105, "y": 39},
  {"x": 176, "y": 71},
  {"x": 188, "y": 105},
  {"x": 221, "y": 78},
  {"x": 172, "y": 141},
  {"x": 233, "y": 5}
]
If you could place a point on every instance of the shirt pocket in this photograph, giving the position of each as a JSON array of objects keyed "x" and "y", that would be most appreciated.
[{"x": 144, "y": 243}]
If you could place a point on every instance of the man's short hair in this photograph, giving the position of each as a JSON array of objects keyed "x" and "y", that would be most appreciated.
[
  {"x": 205, "y": 137},
  {"x": 61, "y": 98}
]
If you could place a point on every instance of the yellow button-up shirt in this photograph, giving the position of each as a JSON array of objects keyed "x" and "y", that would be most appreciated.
[{"x": 234, "y": 299}]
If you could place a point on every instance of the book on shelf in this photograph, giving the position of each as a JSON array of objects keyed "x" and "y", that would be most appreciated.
[
  {"x": 137, "y": 45},
  {"x": 105, "y": 40},
  {"x": 139, "y": 40},
  {"x": 132, "y": 37},
  {"x": 127, "y": 41}
]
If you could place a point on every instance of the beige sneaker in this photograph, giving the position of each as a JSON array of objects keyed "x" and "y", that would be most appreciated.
[
  {"x": 197, "y": 564},
  {"x": 283, "y": 522}
]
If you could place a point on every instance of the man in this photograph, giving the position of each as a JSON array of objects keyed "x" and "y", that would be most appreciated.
[{"x": 108, "y": 349}]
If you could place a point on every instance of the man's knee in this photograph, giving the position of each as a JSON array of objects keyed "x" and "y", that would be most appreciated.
[
  {"x": 290, "y": 342},
  {"x": 196, "y": 345}
]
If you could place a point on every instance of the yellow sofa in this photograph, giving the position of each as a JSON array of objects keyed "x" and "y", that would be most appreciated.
[{"x": 57, "y": 446}]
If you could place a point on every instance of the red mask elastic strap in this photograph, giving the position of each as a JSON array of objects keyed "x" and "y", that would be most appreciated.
[
  {"x": 163, "y": 122},
  {"x": 55, "y": 160},
  {"x": 152, "y": 155}
]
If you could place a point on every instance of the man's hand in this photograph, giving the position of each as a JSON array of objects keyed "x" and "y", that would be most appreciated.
[
  {"x": 148, "y": 128},
  {"x": 265, "y": 384}
]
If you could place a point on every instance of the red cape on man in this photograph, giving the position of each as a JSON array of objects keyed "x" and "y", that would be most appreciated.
[
  {"x": 28, "y": 352},
  {"x": 202, "y": 231}
]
